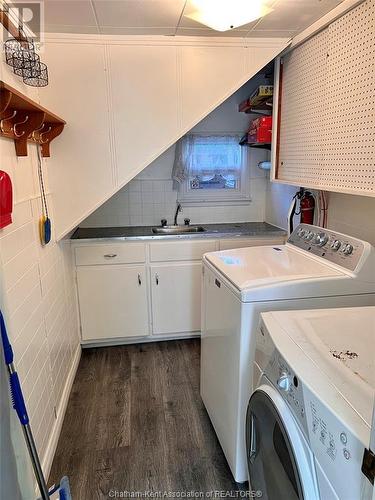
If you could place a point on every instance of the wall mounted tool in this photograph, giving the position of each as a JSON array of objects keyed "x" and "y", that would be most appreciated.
[
  {"x": 62, "y": 491},
  {"x": 44, "y": 221}
]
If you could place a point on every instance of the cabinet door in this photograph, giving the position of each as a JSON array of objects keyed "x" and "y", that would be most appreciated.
[
  {"x": 112, "y": 301},
  {"x": 176, "y": 297}
]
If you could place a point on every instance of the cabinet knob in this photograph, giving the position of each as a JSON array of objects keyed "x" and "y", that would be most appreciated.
[
  {"x": 157, "y": 278},
  {"x": 139, "y": 279},
  {"x": 110, "y": 255}
]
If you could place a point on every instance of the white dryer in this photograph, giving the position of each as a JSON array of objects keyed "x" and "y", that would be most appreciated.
[
  {"x": 309, "y": 418},
  {"x": 316, "y": 268}
]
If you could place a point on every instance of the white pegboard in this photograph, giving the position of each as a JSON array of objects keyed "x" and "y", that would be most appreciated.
[{"x": 327, "y": 128}]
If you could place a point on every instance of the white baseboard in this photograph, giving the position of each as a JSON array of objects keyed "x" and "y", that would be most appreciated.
[
  {"x": 138, "y": 340},
  {"x": 54, "y": 438}
]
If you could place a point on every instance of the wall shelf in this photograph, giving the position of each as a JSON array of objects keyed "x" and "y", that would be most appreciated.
[
  {"x": 260, "y": 101},
  {"x": 23, "y": 120},
  {"x": 263, "y": 109},
  {"x": 259, "y": 145}
]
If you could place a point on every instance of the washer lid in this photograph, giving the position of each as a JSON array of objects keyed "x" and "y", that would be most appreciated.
[
  {"x": 249, "y": 269},
  {"x": 340, "y": 342}
]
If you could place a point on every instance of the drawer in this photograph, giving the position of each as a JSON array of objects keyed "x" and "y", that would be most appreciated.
[
  {"x": 231, "y": 243},
  {"x": 120, "y": 253},
  {"x": 180, "y": 250}
]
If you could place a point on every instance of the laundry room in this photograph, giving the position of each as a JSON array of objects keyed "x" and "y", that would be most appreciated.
[{"x": 187, "y": 249}]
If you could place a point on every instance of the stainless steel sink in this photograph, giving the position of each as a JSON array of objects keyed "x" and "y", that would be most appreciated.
[{"x": 177, "y": 229}]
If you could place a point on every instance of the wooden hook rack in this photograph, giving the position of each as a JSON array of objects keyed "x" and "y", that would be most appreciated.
[{"x": 23, "y": 120}]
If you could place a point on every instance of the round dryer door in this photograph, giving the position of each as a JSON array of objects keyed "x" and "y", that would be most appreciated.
[{"x": 275, "y": 446}]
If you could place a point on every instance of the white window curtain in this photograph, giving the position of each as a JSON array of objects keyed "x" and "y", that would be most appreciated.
[{"x": 207, "y": 155}]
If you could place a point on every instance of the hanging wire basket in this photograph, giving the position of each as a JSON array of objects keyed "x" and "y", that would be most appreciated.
[
  {"x": 10, "y": 47},
  {"x": 24, "y": 61},
  {"x": 22, "y": 57},
  {"x": 36, "y": 76}
]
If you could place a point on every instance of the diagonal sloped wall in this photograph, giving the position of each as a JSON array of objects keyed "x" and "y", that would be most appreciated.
[{"x": 126, "y": 100}]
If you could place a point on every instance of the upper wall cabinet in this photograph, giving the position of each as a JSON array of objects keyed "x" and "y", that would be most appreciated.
[
  {"x": 80, "y": 171},
  {"x": 145, "y": 104},
  {"x": 327, "y": 108}
]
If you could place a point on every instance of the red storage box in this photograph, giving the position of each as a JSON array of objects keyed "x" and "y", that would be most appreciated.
[{"x": 260, "y": 130}]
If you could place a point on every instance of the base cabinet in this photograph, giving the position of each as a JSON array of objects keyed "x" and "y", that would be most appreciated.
[
  {"x": 176, "y": 297},
  {"x": 113, "y": 301},
  {"x": 136, "y": 290}
]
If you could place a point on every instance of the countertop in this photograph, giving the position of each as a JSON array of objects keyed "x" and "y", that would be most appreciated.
[{"x": 231, "y": 230}]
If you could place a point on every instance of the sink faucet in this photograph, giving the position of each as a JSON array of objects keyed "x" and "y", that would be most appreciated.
[{"x": 178, "y": 209}]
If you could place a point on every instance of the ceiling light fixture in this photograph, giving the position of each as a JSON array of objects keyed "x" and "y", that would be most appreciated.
[{"x": 224, "y": 15}]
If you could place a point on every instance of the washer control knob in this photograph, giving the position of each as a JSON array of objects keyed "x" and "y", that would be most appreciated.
[
  {"x": 321, "y": 239},
  {"x": 335, "y": 245},
  {"x": 283, "y": 382},
  {"x": 343, "y": 438},
  {"x": 348, "y": 250}
]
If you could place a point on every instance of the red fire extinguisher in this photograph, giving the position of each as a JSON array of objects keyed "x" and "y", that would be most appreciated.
[{"x": 307, "y": 207}]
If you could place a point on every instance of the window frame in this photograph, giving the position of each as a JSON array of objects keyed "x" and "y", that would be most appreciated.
[{"x": 238, "y": 196}]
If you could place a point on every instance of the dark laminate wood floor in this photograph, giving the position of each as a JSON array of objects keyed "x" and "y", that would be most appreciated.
[{"x": 135, "y": 422}]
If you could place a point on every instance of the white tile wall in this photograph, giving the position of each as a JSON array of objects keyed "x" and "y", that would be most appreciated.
[
  {"x": 145, "y": 202},
  {"x": 38, "y": 299},
  {"x": 150, "y": 197}
]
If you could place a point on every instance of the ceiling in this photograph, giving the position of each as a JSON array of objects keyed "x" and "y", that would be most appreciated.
[{"x": 168, "y": 17}]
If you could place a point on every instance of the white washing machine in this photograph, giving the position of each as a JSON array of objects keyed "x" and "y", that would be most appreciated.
[
  {"x": 309, "y": 418},
  {"x": 316, "y": 268}
]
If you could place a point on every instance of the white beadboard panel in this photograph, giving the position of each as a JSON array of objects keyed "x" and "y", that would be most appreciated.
[
  {"x": 327, "y": 128},
  {"x": 138, "y": 95},
  {"x": 208, "y": 76},
  {"x": 80, "y": 167},
  {"x": 144, "y": 102}
]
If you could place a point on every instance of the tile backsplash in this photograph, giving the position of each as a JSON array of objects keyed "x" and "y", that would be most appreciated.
[
  {"x": 144, "y": 202},
  {"x": 150, "y": 196}
]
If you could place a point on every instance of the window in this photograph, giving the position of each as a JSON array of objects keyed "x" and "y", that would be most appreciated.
[{"x": 211, "y": 168}]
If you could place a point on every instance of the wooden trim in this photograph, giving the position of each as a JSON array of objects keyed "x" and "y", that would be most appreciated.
[
  {"x": 9, "y": 25},
  {"x": 278, "y": 121},
  {"x": 323, "y": 22},
  {"x": 175, "y": 41}
]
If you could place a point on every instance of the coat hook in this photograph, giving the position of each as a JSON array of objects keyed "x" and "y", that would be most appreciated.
[
  {"x": 19, "y": 123},
  {"x": 37, "y": 130},
  {"x": 43, "y": 133},
  {"x": 6, "y": 119}
]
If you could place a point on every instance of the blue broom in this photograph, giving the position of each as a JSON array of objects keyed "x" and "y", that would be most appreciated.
[{"x": 61, "y": 491}]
